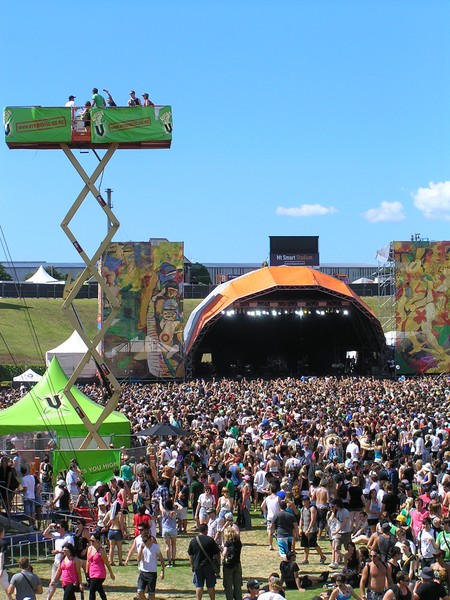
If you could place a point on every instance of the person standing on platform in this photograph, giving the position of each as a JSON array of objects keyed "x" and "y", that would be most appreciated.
[
  {"x": 147, "y": 102},
  {"x": 109, "y": 99},
  {"x": 97, "y": 100},
  {"x": 133, "y": 101}
]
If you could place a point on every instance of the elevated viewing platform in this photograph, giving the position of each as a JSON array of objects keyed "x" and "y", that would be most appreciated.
[{"x": 46, "y": 128}]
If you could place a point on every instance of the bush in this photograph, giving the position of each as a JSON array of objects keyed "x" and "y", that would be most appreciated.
[{"x": 8, "y": 372}]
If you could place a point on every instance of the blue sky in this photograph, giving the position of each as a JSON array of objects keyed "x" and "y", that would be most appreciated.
[{"x": 319, "y": 117}]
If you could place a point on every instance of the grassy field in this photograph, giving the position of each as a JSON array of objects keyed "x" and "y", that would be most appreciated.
[
  {"x": 28, "y": 328},
  {"x": 257, "y": 561}
]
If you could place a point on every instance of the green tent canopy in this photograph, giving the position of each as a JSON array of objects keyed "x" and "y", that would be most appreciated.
[{"x": 46, "y": 408}]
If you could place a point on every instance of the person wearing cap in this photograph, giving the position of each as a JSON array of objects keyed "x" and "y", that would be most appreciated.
[
  {"x": 147, "y": 102},
  {"x": 228, "y": 521},
  {"x": 71, "y": 103},
  {"x": 133, "y": 101},
  {"x": 253, "y": 587},
  {"x": 215, "y": 524},
  {"x": 427, "y": 588},
  {"x": 61, "y": 498}
]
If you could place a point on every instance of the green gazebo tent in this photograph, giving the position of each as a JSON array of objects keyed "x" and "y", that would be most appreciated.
[{"x": 46, "y": 408}]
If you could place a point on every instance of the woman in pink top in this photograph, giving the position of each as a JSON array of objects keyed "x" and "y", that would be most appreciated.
[
  {"x": 417, "y": 516},
  {"x": 70, "y": 572},
  {"x": 97, "y": 563}
]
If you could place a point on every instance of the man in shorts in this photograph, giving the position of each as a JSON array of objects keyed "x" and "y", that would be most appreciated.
[
  {"x": 343, "y": 533},
  {"x": 202, "y": 551},
  {"x": 285, "y": 525},
  {"x": 309, "y": 527},
  {"x": 148, "y": 555}
]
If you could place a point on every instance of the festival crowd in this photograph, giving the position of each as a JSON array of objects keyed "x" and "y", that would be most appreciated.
[{"x": 361, "y": 462}]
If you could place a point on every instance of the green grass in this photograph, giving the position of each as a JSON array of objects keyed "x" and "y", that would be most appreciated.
[{"x": 22, "y": 322}]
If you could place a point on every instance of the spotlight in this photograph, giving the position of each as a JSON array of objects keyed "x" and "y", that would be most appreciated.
[
  {"x": 345, "y": 312},
  {"x": 274, "y": 313}
]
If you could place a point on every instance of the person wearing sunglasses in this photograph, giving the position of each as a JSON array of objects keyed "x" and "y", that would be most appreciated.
[
  {"x": 374, "y": 578},
  {"x": 400, "y": 589},
  {"x": 343, "y": 591}
]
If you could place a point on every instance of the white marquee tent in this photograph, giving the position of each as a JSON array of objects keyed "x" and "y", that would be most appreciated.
[
  {"x": 28, "y": 377},
  {"x": 69, "y": 354},
  {"x": 41, "y": 276}
]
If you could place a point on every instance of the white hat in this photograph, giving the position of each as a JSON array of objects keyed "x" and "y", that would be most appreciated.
[
  {"x": 98, "y": 484},
  {"x": 61, "y": 482},
  {"x": 229, "y": 516}
]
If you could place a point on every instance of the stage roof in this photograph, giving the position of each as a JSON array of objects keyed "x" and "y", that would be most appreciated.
[{"x": 262, "y": 281}]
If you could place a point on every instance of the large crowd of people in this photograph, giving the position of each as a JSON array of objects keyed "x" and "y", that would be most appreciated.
[{"x": 361, "y": 462}]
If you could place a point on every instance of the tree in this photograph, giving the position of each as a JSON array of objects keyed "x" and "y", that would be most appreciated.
[
  {"x": 200, "y": 274},
  {"x": 53, "y": 271},
  {"x": 4, "y": 275}
]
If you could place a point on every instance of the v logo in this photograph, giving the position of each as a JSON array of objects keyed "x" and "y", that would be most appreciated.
[{"x": 53, "y": 401}]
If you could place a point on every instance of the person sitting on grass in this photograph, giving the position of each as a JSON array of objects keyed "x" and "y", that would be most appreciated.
[{"x": 343, "y": 591}]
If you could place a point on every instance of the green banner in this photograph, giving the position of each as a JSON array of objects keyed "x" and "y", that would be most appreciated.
[
  {"x": 95, "y": 465},
  {"x": 37, "y": 124},
  {"x": 134, "y": 124}
]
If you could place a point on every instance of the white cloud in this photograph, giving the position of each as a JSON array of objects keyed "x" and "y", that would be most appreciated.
[
  {"x": 434, "y": 201},
  {"x": 306, "y": 210},
  {"x": 387, "y": 211}
]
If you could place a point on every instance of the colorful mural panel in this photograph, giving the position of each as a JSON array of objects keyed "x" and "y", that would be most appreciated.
[
  {"x": 145, "y": 341},
  {"x": 422, "y": 283}
]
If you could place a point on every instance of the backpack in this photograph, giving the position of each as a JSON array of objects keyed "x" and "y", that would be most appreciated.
[{"x": 230, "y": 560}]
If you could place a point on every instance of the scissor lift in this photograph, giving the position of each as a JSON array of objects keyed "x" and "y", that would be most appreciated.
[{"x": 57, "y": 128}]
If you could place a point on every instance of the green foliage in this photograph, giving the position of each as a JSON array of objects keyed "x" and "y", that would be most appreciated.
[
  {"x": 53, "y": 271},
  {"x": 8, "y": 372},
  {"x": 4, "y": 275},
  {"x": 199, "y": 274}
]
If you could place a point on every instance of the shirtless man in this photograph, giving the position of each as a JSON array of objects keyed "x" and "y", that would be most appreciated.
[
  {"x": 374, "y": 578},
  {"x": 319, "y": 495}
]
